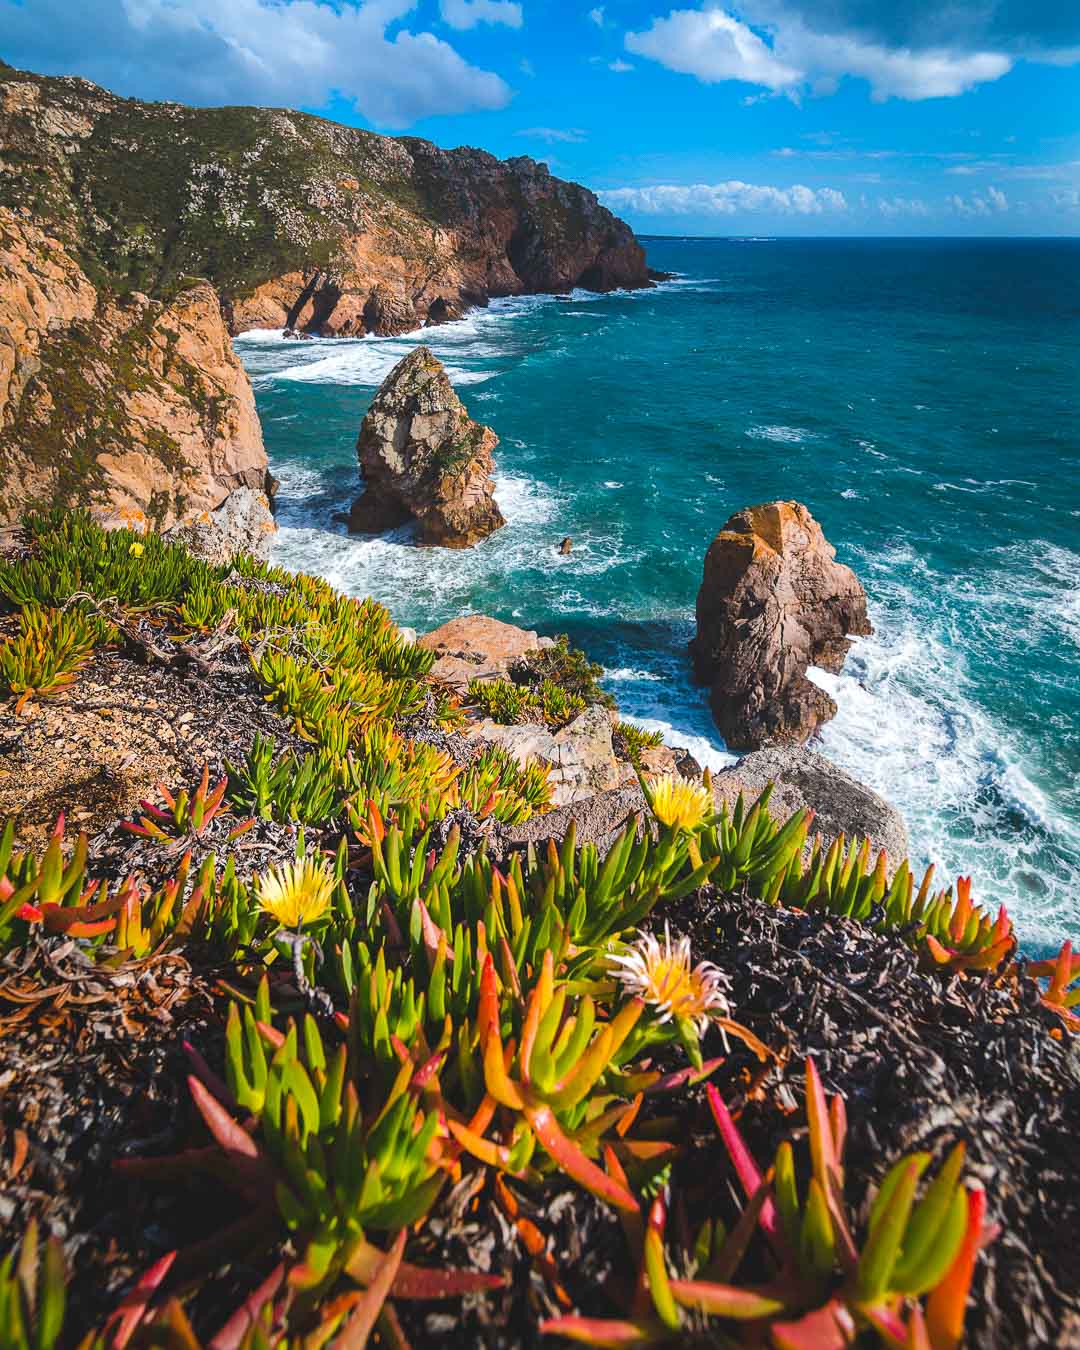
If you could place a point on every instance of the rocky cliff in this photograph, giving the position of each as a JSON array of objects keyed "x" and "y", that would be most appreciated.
[{"x": 135, "y": 238}]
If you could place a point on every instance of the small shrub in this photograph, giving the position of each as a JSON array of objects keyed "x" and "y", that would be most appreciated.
[
  {"x": 629, "y": 742},
  {"x": 509, "y": 703},
  {"x": 51, "y": 647},
  {"x": 566, "y": 667}
]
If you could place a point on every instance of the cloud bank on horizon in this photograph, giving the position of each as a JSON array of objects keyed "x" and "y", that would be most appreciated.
[{"x": 825, "y": 116}]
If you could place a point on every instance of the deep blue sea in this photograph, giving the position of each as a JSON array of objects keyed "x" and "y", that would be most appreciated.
[{"x": 922, "y": 397}]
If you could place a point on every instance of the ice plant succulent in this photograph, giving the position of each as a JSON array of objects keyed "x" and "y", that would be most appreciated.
[
  {"x": 296, "y": 893},
  {"x": 185, "y": 815},
  {"x": 661, "y": 974},
  {"x": 1060, "y": 972},
  {"x": 677, "y": 803}
]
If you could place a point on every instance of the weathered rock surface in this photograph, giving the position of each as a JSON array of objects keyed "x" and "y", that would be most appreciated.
[
  {"x": 124, "y": 404},
  {"x": 841, "y": 804},
  {"x": 423, "y": 458},
  {"x": 118, "y": 386},
  {"x": 773, "y": 601},
  {"x": 241, "y": 524},
  {"x": 475, "y": 646},
  {"x": 581, "y": 754}
]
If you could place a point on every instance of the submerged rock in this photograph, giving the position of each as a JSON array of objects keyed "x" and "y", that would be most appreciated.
[
  {"x": 773, "y": 601},
  {"x": 423, "y": 458}
]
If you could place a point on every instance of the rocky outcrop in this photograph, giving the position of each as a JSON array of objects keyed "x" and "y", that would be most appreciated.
[
  {"x": 841, "y": 804},
  {"x": 478, "y": 647},
  {"x": 118, "y": 386},
  {"x": 126, "y": 404},
  {"x": 242, "y": 524},
  {"x": 298, "y": 222},
  {"x": 773, "y": 602},
  {"x": 424, "y": 459},
  {"x": 581, "y": 755}
]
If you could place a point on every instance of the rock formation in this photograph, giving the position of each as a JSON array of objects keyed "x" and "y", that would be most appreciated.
[
  {"x": 126, "y": 404},
  {"x": 773, "y": 601},
  {"x": 475, "y": 646},
  {"x": 581, "y": 754},
  {"x": 423, "y": 458},
  {"x": 841, "y": 804},
  {"x": 117, "y": 382}
]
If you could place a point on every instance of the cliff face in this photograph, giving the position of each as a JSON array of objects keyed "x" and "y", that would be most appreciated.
[
  {"x": 122, "y": 403},
  {"x": 112, "y": 210}
]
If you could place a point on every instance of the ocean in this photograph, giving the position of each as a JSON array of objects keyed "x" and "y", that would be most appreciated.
[{"x": 922, "y": 397}]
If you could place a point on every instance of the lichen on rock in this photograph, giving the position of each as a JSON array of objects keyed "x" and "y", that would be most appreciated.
[{"x": 424, "y": 459}]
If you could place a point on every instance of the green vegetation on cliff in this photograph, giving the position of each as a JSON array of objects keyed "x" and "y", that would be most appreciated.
[
  {"x": 415, "y": 1057},
  {"x": 148, "y": 194}
]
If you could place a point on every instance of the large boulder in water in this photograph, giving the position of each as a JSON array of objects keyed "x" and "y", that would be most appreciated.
[
  {"x": 773, "y": 601},
  {"x": 423, "y": 458}
]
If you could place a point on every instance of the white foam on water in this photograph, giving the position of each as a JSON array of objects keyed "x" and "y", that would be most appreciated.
[
  {"x": 779, "y": 434},
  {"x": 629, "y": 673},
  {"x": 906, "y": 727},
  {"x": 390, "y": 566}
]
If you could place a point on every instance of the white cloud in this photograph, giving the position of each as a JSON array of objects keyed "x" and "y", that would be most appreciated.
[
  {"x": 463, "y": 14},
  {"x": 891, "y": 207},
  {"x": 986, "y": 205},
  {"x": 724, "y": 199},
  {"x": 270, "y": 52},
  {"x": 597, "y": 16},
  {"x": 714, "y": 45},
  {"x": 554, "y": 134},
  {"x": 620, "y": 67}
]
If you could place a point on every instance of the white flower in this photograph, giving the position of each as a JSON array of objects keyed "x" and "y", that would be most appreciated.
[{"x": 661, "y": 974}]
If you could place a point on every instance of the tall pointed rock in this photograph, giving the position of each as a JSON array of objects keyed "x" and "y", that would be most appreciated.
[{"x": 423, "y": 458}]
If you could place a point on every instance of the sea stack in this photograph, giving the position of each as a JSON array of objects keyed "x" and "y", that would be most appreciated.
[
  {"x": 773, "y": 601},
  {"x": 423, "y": 458}
]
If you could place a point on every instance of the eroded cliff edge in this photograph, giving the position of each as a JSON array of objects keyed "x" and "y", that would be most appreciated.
[{"x": 113, "y": 210}]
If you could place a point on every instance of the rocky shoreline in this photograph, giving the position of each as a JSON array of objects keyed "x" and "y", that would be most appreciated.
[{"x": 111, "y": 997}]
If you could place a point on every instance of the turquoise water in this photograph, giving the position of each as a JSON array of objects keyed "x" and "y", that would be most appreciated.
[{"x": 920, "y": 396}]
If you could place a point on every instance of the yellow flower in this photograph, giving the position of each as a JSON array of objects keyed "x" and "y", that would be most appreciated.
[
  {"x": 136, "y": 550},
  {"x": 297, "y": 893},
  {"x": 679, "y": 804},
  {"x": 660, "y": 973}
]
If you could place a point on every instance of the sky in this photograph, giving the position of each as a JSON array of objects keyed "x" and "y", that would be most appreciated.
[{"x": 825, "y": 117}]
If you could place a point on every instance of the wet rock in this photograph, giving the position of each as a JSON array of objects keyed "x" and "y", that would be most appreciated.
[
  {"x": 773, "y": 602},
  {"x": 566, "y": 546},
  {"x": 423, "y": 458}
]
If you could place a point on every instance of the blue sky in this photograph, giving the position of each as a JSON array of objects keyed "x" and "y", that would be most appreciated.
[{"x": 763, "y": 116}]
